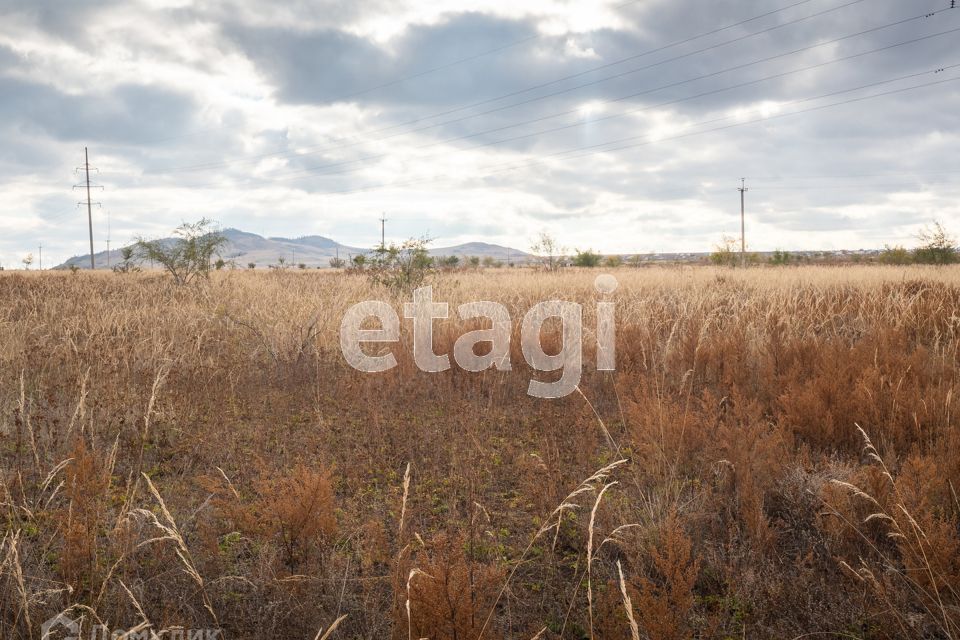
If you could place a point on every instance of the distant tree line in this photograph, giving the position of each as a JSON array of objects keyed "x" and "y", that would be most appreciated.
[{"x": 936, "y": 246}]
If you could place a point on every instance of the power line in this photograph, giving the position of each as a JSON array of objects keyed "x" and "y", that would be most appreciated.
[
  {"x": 857, "y": 185},
  {"x": 605, "y": 79},
  {"x": 661, "y": 62},
  {"x": 793, "y": 113},
  {"x": 856, "y": 175},
  {"x": 314, "y": 170},
  {"x": 677, "y": 43},
  {"x": 598, "y": 148},
  {"x": 924, "y": 184}
]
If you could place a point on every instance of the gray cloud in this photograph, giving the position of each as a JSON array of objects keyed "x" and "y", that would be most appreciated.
[
  {"x": 329, "y": 65},
  {"x": 125, "y": 114},
  {"x": 8, "y": 59},
  {"x": 68, "y": 21}
]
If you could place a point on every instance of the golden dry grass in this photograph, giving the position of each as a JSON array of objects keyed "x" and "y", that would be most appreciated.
[{"x": 203, "y": 457}]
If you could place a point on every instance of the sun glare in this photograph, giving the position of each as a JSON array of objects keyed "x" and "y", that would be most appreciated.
[{"x": 590, "y": 109}]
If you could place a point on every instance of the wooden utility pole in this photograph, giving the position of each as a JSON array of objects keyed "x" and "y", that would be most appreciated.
[{"x": 743, "y": 228}]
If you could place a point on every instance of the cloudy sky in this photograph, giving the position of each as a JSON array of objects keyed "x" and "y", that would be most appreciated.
[{"x": 618, "y": 126}]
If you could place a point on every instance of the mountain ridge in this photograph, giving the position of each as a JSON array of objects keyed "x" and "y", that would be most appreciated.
[{"x": 244, "y": 248}]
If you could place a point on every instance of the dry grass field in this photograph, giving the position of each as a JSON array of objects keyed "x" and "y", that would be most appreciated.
[{"x": 776, "y": 456}]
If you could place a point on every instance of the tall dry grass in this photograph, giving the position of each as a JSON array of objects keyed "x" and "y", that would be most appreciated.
[{"x": 203, "y": 458}]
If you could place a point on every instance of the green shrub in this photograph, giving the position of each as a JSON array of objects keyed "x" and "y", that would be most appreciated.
[
  {"x": 587, "y": 259},
  {"x": 725, "y": 253},
  {"x": 937, "y": 247},
  {"x": 780, "y": 258},
  {"x": 895, "y": 255},
  {"x": 403, "y": 267},
  {"x": 188, "y": 255}
]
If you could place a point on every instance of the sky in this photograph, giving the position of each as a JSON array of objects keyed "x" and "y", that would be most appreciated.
[{"x": 622, "y": 127}]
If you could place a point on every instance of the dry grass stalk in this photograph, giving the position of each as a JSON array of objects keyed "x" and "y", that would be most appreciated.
[
  {"x": 329, "y": 632},
  {"x": 173, "y": 533},
  {"x": 403, "y": 503},
  {"x": 410, "y": 576},
  {"x": 628, "y": 605},
  {"x": 590, "y": 529},
  {"x": 590, "y": 484},
  {"x": 24, "y": 416},
  {"x": 899, "y": 533},
  {"x": 11, "y": 562},
  {"x": 603, "y": 427}
]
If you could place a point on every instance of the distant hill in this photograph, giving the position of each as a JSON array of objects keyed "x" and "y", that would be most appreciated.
[
  {"x": 482, "y": 250},
  {"x": 243, "y": 248}
]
